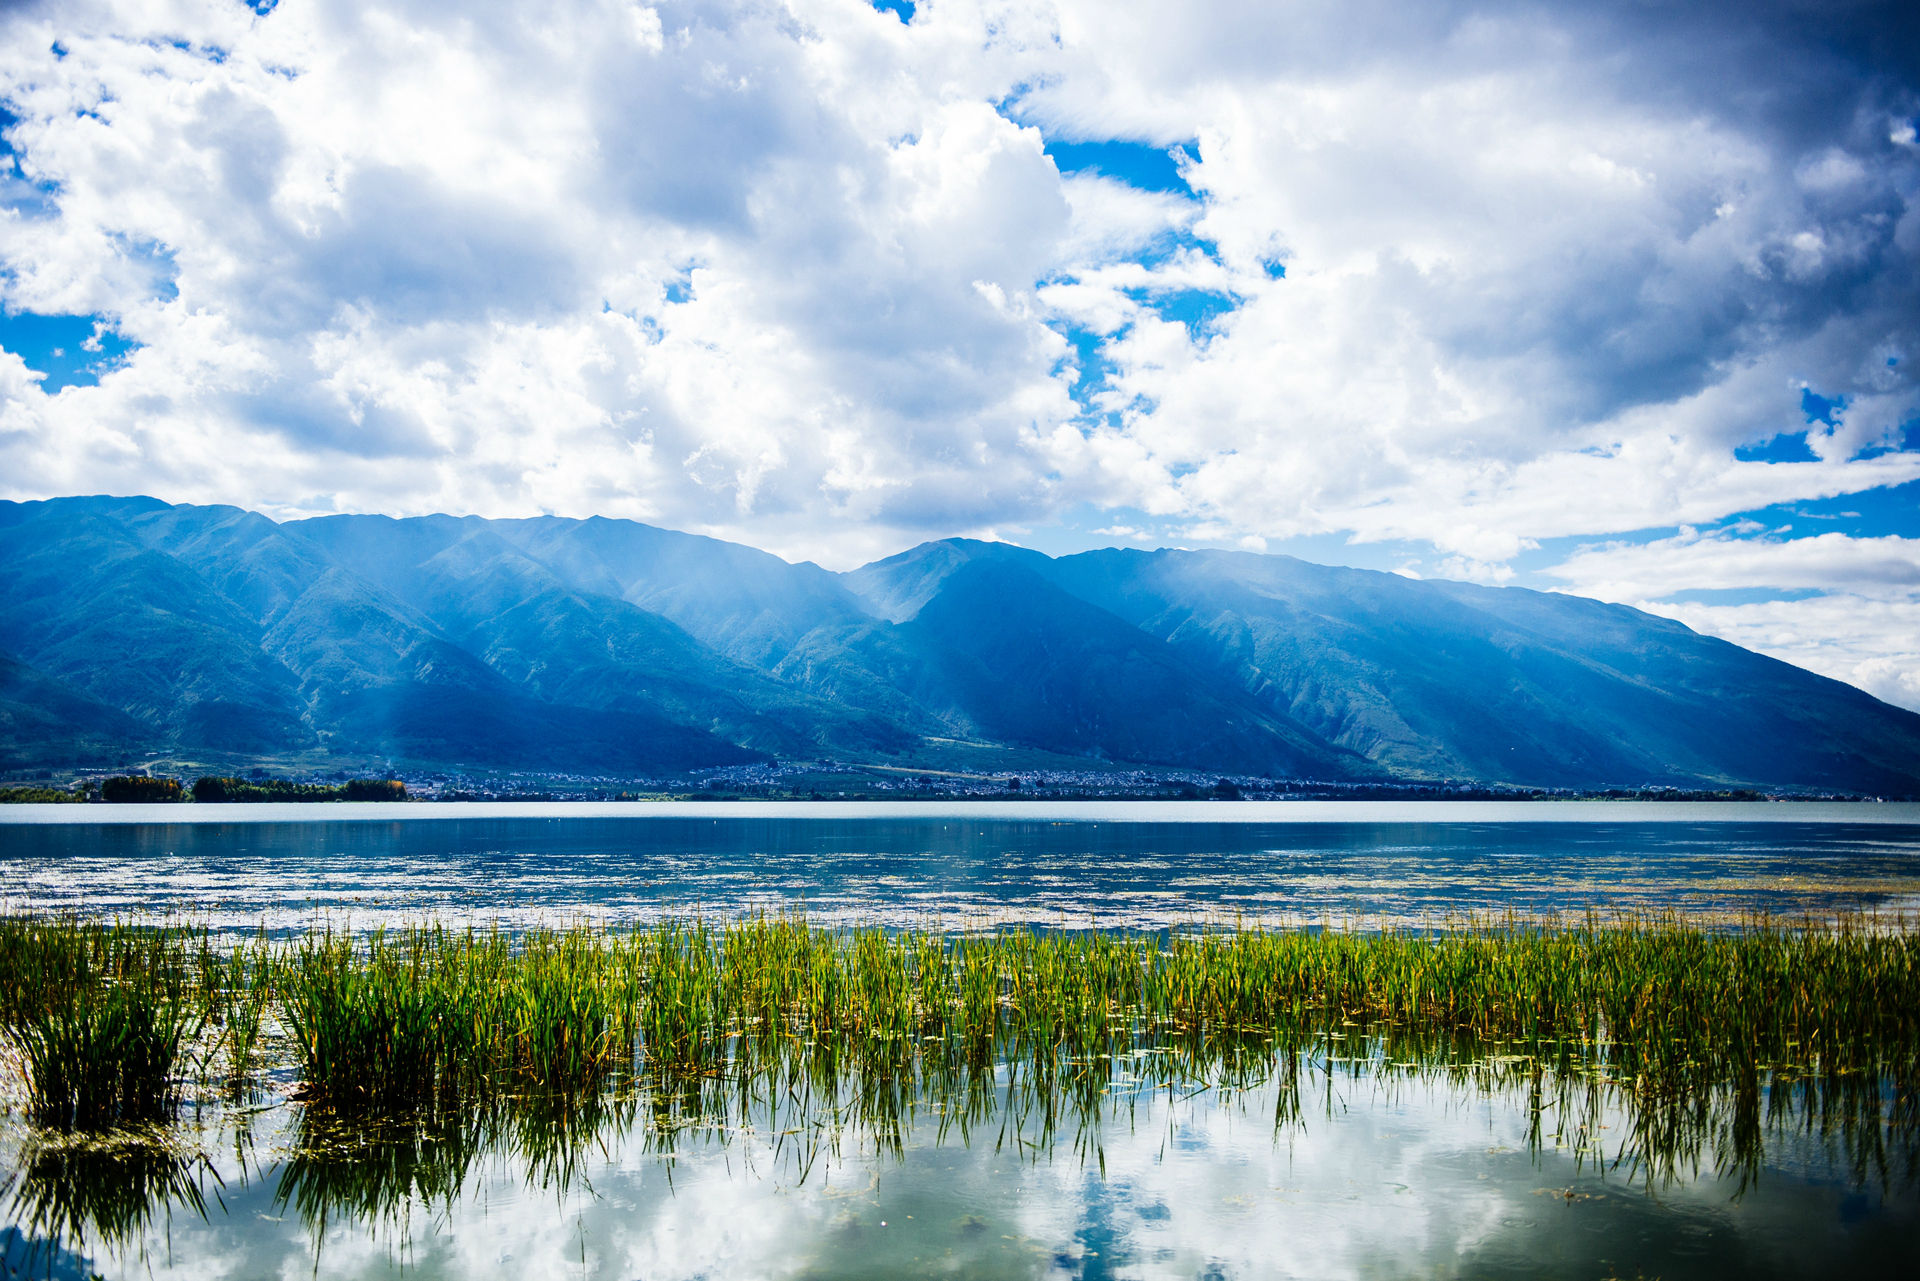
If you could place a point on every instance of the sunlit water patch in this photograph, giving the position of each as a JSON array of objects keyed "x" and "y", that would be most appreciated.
[{"x": 1114, "y": 864}]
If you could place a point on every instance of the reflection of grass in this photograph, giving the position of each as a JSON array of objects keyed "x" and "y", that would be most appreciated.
[
  {"x": 374, "y": 1170},
  {"x": 104, "y": 1188},
  {"x": 421, "y": 1049}
]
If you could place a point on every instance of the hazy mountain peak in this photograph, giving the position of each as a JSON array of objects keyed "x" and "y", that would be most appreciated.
[{"x": 899, "y": 587}]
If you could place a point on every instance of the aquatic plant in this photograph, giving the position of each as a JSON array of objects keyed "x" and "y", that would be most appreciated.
[
  {"x": 395, "y": 1021},
  {"x": 565, "y": 1011},
  {"x": 99, "y": 1015},
  {"x": 421, "y": 1050},
  {"x": 373, "y": 1027},
  {"x": 236, "y": 998}
]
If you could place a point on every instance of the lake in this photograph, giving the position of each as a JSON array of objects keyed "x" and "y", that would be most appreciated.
[
  {"x": 1325, "y": 1158},
  {"x": 1110, "y": 864}
]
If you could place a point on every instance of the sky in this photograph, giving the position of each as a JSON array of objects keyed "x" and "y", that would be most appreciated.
[{"x": 1617, "y": 297}]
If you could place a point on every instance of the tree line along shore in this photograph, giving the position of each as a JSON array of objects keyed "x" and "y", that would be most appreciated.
[
  {"x": 149, "y": 790},
  {"x": 138, "y": 789}
]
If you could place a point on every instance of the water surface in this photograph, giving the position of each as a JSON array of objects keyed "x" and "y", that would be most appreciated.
[
  {"x": 1135, "y": 864},
  {"x": 1355, "y": 1166}
]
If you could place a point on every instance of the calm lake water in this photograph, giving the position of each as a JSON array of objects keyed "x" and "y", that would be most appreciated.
[
  {"x": 1331, "y": 1164},
  {"x": 1131, "y": 864}
]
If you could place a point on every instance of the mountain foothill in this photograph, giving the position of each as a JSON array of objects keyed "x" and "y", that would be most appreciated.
[{"x": 129, "y": 625}]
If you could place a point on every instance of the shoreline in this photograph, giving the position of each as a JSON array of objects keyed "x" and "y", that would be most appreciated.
[{"x": 1877, "y": 813}]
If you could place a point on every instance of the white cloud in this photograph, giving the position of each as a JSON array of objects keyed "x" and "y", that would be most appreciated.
[
  {"x": 1722, "y": 560},
  {"x": 713, "y": 266},
  {"x": 1498, "y": 261},
  {"x": 797, "y": 273}
]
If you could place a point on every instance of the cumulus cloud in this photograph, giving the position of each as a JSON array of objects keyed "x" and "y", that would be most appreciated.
[
  {"x": 731, "y": 265},
  {"x": 1725, "y": 559},
  {"x": 1524, "y": 296},
  {"x": 1469, "y": 275}
]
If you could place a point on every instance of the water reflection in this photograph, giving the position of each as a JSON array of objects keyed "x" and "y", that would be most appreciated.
[
  {"x": 74, "y": 1193},
  {"x": 1014, "y": 1157},
  {"x": 1329, "y": 1147}
]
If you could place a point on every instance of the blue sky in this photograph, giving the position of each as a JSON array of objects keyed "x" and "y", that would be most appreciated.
[
  {"x": 1613, "y": 298},
  {"x": 72, "y": 351}
]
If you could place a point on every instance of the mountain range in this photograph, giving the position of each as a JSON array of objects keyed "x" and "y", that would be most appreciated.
[{"x": 129, "y": 625}]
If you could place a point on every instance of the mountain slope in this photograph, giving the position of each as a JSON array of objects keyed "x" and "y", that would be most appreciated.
[
  {"x": 218, "y": 630},
  {"x": 523, "y": 621},
  {"x": 899, "y": 587},
  {"x": 46, "y": 722},
  {"x": 797, "y": 623},
  {"x": 83, "y": 600},
  {"x": 748, "y": 604},
  {"x": 1507, "y": 684},
  {"x": 1030, "y": 664}
]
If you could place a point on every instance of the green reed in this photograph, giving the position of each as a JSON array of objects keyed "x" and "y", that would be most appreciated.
[
  {"x": 418, "y": 1051},
  {"x": 373, "y": 1027},
  {"x": 100, "y": 1016},
  {"x": 236, "y": 997},
  {"x": 102, "y": 1011}
]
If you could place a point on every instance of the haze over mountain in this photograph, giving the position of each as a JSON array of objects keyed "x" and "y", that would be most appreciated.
[{"x": 129, "y": 625}]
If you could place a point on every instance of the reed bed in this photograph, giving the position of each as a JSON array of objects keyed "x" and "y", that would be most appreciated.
[
  {"x": 706, "y": 1023},
  {"x": 390, "y": 1019},
  {"x": 418, "y": 1052}
]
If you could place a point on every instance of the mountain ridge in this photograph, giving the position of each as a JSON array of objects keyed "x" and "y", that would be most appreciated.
[{"x": 550, "y": 642}]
